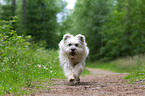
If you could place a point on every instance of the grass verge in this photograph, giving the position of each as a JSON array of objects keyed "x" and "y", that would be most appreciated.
[
  {"x": 22, "y": 64},
  {"x": 134, "y": 65},
  {"x": 85, "y": 72}
]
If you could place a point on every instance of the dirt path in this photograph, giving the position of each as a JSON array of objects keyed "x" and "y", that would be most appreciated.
[
  {"x": 100, "y": 83},
  {"x": 95, "y": 71}
]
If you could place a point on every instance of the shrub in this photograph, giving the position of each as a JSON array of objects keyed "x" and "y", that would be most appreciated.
[{"x": 21, "y": 63}]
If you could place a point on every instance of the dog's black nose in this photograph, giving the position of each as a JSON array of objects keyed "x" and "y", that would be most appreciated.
[{"x": 72, "y": 50}]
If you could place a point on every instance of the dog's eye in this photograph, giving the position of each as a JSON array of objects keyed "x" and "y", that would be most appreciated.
[
  {"x": 76, "y": 45},
  {"x": 69, "y": 44}
]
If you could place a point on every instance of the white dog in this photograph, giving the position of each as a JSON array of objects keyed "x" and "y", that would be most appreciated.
[{"x": 72, "y": 55}]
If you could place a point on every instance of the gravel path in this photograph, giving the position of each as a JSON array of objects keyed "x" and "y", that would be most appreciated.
[{"x": 100, "y": 83}]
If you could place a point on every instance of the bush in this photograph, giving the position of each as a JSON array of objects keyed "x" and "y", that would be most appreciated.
[{"x": 21, "y": 63}]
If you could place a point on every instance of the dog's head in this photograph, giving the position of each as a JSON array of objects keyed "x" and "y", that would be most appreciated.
[{"x": 74, "y": 46}]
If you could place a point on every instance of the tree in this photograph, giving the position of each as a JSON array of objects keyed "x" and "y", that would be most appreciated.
[
  {"x": 6, "y": 13},
  {"x": 87, "y": 18},
  {"x": 114, "y": 28},
  {"x": 123, "y": 34},
  {"x": 41, "y": 20},
  {"x": 13, "y": 7},
  {"x": 24, "y": 11}
]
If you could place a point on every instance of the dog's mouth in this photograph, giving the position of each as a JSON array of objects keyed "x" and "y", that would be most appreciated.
[{"x": 72, "y": 53}]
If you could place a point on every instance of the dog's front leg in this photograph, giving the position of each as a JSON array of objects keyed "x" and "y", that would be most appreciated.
[
  {"x": 78, "y": 69},
  {"x": 68, "y": 70}
]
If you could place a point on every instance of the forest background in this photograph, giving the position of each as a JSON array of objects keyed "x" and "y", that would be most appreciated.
[
  {"x": 113, "y": 28},
  {"x": 30, "y": 32}
]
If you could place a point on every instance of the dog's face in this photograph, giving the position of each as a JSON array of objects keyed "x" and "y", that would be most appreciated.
[{"x": 73, "y": 46}]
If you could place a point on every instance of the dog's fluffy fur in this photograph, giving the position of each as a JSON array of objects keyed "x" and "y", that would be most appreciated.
[{"x": 72, "y": 55}]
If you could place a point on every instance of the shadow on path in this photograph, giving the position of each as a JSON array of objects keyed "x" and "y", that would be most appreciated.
[{"x": 80, "y": 83}]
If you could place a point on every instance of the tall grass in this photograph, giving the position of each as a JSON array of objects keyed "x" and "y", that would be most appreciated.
[
  {"x": 126, "y": 64},
  {"x": 137, "y": 66},
  {"x": 21, "y": 63},
  {"x": 130, "y": 64}
]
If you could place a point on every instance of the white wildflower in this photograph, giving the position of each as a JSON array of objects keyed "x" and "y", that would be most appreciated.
[
  {"x": 45, "y": 68},
  {"x": 39, "y": 66}
]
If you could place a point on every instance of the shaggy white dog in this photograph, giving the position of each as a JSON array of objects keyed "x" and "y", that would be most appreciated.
[{"x": 72, "y": 55}]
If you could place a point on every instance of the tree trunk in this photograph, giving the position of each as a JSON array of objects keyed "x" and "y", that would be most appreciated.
[
  {"x": 13, "y": 7},
  {"x": 24, "y": 11}
]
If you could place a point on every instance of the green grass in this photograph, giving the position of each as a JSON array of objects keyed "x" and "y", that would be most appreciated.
[
  {"x": 136, "y": 76},
  {"x": 22, "y": 63},
  {"x": 85, "y": 72},
  {"x": 134, "y": 65},
  {"x": 23, "y": 69},
  {"x": 111, "y": 66},
  {"x": 18, "y": 72}
]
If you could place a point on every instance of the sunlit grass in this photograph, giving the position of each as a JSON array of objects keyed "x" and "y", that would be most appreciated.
[
  {"x": 105, "y": 65},
  {"x": 21, "y": 70},
  {"x": 18, "y": 72},
  {"x": 22, "y": 63},
  {"x": 85, "y": 72}
]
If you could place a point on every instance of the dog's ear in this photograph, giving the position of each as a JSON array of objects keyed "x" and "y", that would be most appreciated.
[
  {"x": 81, "y": 37},
  {"x": 66, "y": 36}
]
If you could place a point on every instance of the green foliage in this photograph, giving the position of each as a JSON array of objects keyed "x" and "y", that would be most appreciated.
[
  {"x": 40, "y": 19},
  {"x": 123, "y": 34},
  {"x": 113, "y": 28},
  {"x": 88, "y": 18},
  {"x": 22, "y": 64},
  {"x": 6, "y": 13}
]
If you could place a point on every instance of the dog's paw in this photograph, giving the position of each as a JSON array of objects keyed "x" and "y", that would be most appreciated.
[
  {"x": 77, "y": 80},
  {"x": 71, "y": 79}
]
